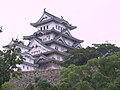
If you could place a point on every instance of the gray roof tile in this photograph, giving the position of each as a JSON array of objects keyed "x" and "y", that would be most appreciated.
[{"x": 55, "y": 19}]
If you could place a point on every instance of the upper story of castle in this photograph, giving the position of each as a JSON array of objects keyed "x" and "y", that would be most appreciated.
[
  {"x": 49, "y": 21},
  {"x": 52, "y": 29}
]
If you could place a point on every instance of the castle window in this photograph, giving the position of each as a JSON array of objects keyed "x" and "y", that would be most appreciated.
[
  {"x": 40, "y": 28},
  {"x": 44, "y": 39},
  {"x": 62, "y": 49},
  {"x": 36, "y": 46},
  {"x": 23, "y": 67},
  {"x": 53, "y": 58},
  {"x": 27, "y": 67},
  {"x": 47, "y": 26},
  {"x": 48, "y": 36},
  {"x": 61, "y": 28},
  {"x": 56, "y": 47},
  {"x": 56, "y": 26},
  {"x": 44, "y": 27},
  {"x": 39, "y": 51},
  {"x": 58, "y": 57}
]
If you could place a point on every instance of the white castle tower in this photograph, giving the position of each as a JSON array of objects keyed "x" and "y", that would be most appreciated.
[{"x": 47, "y": 47}]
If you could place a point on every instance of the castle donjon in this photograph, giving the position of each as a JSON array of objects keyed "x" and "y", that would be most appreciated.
[{"x": 48, "y": 45}]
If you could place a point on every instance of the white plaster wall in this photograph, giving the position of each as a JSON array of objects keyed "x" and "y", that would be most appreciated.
[
  {"x": 53, "y": 67},
  {"x": 69, "y": 42},
  {"x": 26, "y": 67},
  {"x": 52, "y": 25},
  {"x": 37, "y": 50},
  {"x": 34, "y": 43},
  {"x": 47, "y": 37},
  {"x": 59, "y": 27},
  {"x": 57, "y": 57},
  {"x": 23, "y": 50},
  {"x": 60, "y": 48},
  {"x": 78, "y": 46},
  {"x": 52, "y": 35},
  {"x": 29, "y": 60}
]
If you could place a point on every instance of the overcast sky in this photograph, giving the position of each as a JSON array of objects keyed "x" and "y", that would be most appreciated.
[{"x": 97, "y": 21}]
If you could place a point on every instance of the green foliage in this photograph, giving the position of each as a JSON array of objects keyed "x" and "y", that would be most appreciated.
[
  {"x": 9, "y": 58},
  {"x": 98, "y": 74},
  {"x": 29, "y": 87},
  {"x": 43, "y": 85},
  {"x": 8, "y": 86},
  {"x": 82, "y": 85},
  {"x": 82, "y": 55}
]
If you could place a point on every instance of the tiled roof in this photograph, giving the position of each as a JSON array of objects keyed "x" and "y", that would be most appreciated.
[
  {"x": 43, "y": 59},
  {"x": 30, "y": 64},
  {"x": 47, "y": 61},
  {"x": 52, "y": 31},
  {"x": 54, "y": 41},
  {"x": 41, "y": 43},
  {"x": 17, "y": 43},
  {"x": 55, "y": 19},
  {"x": 40, "y": 32},
  {"x": 24, "y": 46},
  {"x": 59, "y": 34},
  {"x": 28, "y": 37},
  {"x": 51, "y": 52}
]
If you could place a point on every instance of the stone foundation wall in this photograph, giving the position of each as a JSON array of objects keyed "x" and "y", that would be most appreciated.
[{"x": 52, "y": 76}]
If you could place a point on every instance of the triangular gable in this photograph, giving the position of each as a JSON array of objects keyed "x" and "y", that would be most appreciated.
[
  {"x": 37, "y": 46},
  {"x": 42, "y": 58},
  {"x": 44, "y": 17},
  {"x": 78, "y": 46},
  {"x": 67, "y": 33},
  {"x": 60, "y": 39}
]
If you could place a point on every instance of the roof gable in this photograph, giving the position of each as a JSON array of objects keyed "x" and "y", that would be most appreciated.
[
  {"x": 47, "y": 17},
  {"x": 44, "y": 17},
  {"x": 67, "y": 33},
  {"x": 37, "y": 45},
  {"x": 60, "y": 39}
]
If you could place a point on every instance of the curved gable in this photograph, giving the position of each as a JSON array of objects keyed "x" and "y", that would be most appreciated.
[{"x": 37, "y": 47}]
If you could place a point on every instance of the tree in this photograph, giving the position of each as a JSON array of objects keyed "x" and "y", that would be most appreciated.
[
  {"x": 29, "y": 87},
  {"x": 44, "y": 85},
  {"x": 9, "y": 86},
  {"x": 9, "y": 58},
  {"x": 97, "y": 74},
  {"x": 41, "y": 85},
  {"x": 82, "y": 55}
]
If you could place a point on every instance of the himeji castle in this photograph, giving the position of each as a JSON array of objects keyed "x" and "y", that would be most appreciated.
[{"x": 48, "y": 45}]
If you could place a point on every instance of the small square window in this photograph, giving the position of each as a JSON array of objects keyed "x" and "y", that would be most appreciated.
[
  {"x": 58, "y": 57},
  {"x": 56, "y": 47}
]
